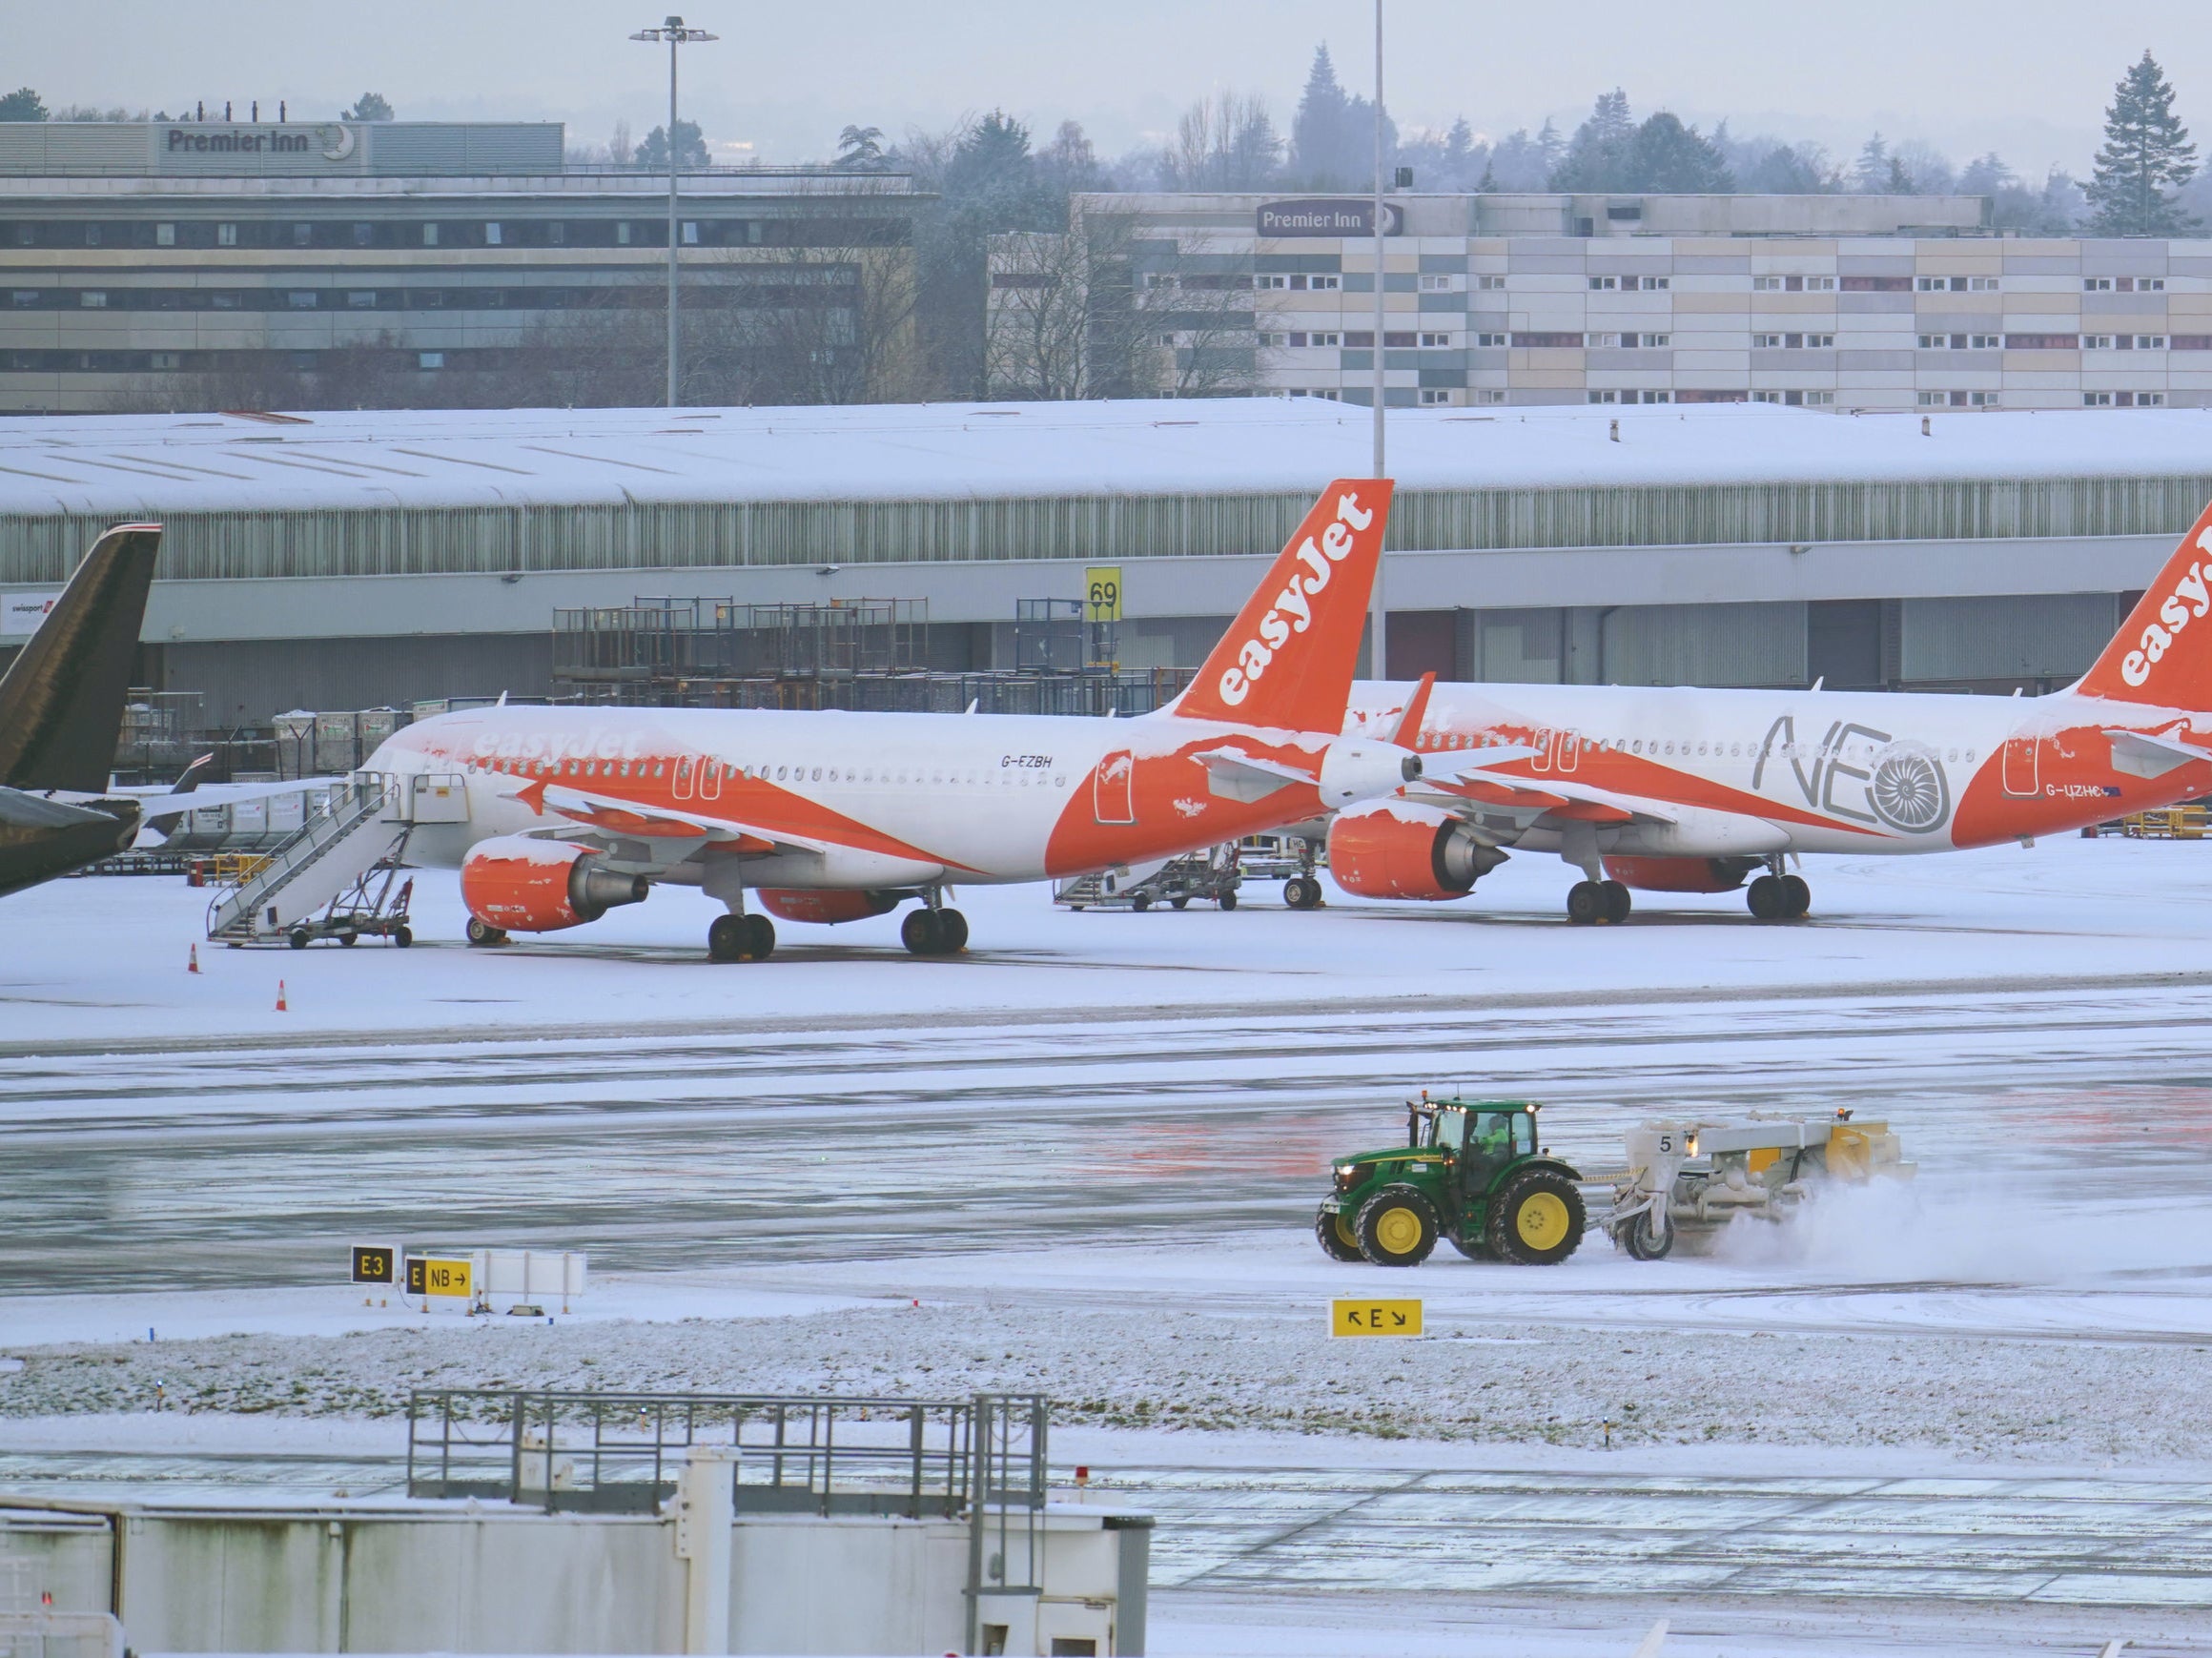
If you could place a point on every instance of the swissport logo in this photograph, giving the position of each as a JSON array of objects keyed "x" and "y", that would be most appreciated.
[
  {"x": 1291, "y": 611},
  {"x": 2173, "y": 616}
]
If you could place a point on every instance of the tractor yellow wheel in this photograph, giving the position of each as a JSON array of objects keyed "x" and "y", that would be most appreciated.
[
  {"x": 1541, "y": 1221},
  {"x": 1538, "y": 1219},
  {"x": 1397, "y": 1227}
]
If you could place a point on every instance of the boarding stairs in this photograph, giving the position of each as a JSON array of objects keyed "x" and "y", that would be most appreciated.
[
  {"x": 331, "y": 855},
  {"x": 1212, "y": 875}
]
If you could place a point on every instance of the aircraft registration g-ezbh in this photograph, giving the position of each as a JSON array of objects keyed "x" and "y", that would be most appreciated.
[
  {"x": 1690, "y": 790},
  {"x": 832, "y": 816}
]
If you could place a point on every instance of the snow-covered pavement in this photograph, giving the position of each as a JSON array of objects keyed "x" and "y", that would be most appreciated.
[{"x": 1090, "y": 1151}]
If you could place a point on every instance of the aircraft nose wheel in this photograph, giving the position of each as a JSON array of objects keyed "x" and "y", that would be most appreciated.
[{"x": 934, "y": 932}]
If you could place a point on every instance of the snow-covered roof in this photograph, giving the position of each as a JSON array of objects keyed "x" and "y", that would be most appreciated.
[{"x": 132, "y": 465}]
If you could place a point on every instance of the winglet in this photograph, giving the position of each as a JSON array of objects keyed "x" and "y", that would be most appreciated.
[
  {"x": 1287, "y": 659},
  {"x": 1409, "y": 722},
  {"x": 61, "y": 702}
]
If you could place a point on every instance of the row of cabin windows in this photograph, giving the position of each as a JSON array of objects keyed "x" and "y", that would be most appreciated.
[
  {"x": 710, "y": 774},
  {"x": 1664, "y": 747}
]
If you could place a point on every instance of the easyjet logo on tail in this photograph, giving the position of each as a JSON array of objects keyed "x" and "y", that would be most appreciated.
[
  {"x": 1292, "y": 609},
  {"x": 2195, "y": 587}
]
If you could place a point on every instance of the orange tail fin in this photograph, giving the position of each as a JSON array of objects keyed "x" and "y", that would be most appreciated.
[
  {"x": 2163, "y": 653},
  {"x": 1287, "y": 659}
]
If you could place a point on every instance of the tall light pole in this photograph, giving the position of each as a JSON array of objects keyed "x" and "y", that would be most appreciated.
[
  {"x": 675, "y": 34},
  {"x": 1378, "y": 665}
]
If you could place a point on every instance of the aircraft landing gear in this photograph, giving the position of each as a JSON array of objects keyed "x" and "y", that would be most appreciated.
[
  {"x": 1779, "y": 899},
  {"x": 481, "y": 933},
  {"x": 1590, "y": 902},
  {"x": 929, "y": 932},
  {"x": 1301, "y": 892},
  {"x": 740, "y": 938}
]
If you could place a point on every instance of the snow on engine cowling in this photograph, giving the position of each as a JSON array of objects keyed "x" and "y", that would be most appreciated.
[
  {"x": 516, "y": 884},
  {"x": 1681, "y": 874},
  {"x": 1398, "y": 849},
  {"x": 828, "y": 905}
]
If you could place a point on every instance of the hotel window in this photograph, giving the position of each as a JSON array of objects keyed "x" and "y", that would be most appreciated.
[
  {"x": 360, "y": 298},
  {"x": 301, "y": 298},
  {"x": 165, "y": 235},
  {"x": 1765, "y": 397},
  {"x": 1432, "y": 396},
  {"x": 1766, "y": 284},
  {"x": 1821, "y": 285},
  {"x": 494, "y": 237},
  {"x": 556, "y": 235},
  {"x": 226, "y": 236},
  {"x": 1271, "y": 281},
  {"x": 2097, "y": 399},
  {"x": 1321, "y": 284},
  {"x": 622, "y": 234},
  {"x": 1646, "y": 341},
  {"x": 430, "y": 359},
  {"x": 1605, "y": 396},
  {"x": 1931, "y": 399},
  {"x": 2149, "y": 284},
  {"x": 1490, "y": 395},
  {"x": 1604, "y": 284},
  {"x": 1274, "y": 342},
  {"x": 430, "y": 236},
  {"x": 2096, "y": 285},
  {"x": 364, "y": 235},
  {"x": 94, "y": 299},
  {"x": 24, "y": 299},
  {"x": 690, "y": 228},
  {"x": 1490, "y": 284},
  {"x": 302, "y": 234},
  {"x": 1820, "y": 399},
  {"x": 1766, "y": 342},
  {"x": 1981, "y": 400},
  {"x": 1818, "y": 341},
  {"x": 165, "y": 359},
  {"x": 1985, "y": 343},
  {"x": 1436, "y": 284},
  {"x": 1434, "y": 340},
  {"x": 1654, "y": 284},
  {"x": 1982, "y": 285},
  {"x": 1942, "y": 341},
  {"x": 2146, "y": 341},
  {"x": 1489, "y": 339},
  {"x": 2097, "y": 342},
  {"x": 1601, "y": 340}
]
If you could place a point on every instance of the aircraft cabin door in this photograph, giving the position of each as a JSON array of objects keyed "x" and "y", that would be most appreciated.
[
  {"x": 2022, "y": 764},
  {"x": 1114, "y": 789}
]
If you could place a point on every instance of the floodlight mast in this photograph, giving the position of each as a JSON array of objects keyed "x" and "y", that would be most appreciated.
[
  {"x": 673, "y": 32},
  {"x": 1378, "y": 665}
]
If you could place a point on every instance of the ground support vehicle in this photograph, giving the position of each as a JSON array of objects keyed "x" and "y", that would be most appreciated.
[
  {"x": 1213, "y": 875},
  {"x": 1470, "y": 1171},
  {"x": 376, "y": 906},
  {"x": 1687, "y": 1180}
]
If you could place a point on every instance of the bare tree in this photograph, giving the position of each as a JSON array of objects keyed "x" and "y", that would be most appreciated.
[
  {"x": 1037, "y": 331},
  {"x": 1227, "y": 142}
]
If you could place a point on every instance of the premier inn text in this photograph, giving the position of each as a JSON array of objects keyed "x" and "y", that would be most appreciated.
[{"x": 237, "y": 143}]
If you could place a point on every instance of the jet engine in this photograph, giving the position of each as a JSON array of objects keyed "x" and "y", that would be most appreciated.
[
  {"x": 517, "y": 884},
  {"x": 828, "y": 905},
  {"x": 1681, "y": 874},
  {"x": 1403, "y": 851}
]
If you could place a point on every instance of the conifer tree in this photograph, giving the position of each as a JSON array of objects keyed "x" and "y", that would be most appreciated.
[
  {"x": 2146, "y": 156},
  {"x": 1320, "y": 139}
]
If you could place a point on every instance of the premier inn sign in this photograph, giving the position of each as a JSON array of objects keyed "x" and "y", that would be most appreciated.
[
  {"x": 335, "y": 140},
  {"x": 1349, "y": 216}
]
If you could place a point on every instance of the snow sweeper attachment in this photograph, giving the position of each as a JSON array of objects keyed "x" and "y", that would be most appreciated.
[{"x": 1687, "y": 1180}]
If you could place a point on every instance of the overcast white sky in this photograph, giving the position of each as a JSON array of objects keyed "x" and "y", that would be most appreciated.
[{"x": 2027, "y": 77}]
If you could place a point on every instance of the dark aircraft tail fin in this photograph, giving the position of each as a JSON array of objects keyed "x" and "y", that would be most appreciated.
[{"x": 61, "y": 702}]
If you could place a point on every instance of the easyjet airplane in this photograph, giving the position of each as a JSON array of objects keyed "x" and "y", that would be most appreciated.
[
  {"x": 830, "y": 816},
  {"x": 1690, "y": 790}
]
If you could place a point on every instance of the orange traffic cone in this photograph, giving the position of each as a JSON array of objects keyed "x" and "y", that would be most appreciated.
[
  {"x": 281, "y": 1008},
  {"x": 192, "y": 964}
]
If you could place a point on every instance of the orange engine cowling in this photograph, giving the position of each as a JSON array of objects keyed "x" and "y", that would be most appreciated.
[
  {"x": 1400, "y": 850},
  {"x": 797, "y": 904},
  {"x": 1681, "y": 874},
  {"x": 520, "y": 885}
]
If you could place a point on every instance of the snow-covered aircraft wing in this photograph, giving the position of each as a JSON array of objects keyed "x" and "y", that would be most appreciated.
[
  {"x": 1233, "y": 774},
  {"x": 2140, "y": 754},
  {"x": 676, "y": 834},
  {"x": 1559, "y": 799}
]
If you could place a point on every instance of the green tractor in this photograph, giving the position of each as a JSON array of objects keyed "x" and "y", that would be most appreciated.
[{"x": 1470, "y": 1171}]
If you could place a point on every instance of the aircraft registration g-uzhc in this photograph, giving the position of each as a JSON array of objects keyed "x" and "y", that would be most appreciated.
[
  {"x": 1690, "y": 790},
  {"x": 833, "y": 816}
]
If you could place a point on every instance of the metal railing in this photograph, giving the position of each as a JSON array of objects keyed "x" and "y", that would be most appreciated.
[
  {"x": 352, "y": 806},
  {"x": 620, "y": 1452}
]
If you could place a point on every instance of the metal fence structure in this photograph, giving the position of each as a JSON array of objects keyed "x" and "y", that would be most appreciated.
[
  {"x": 660, "y": 641},
  {"x": 620, "y": 1452}
]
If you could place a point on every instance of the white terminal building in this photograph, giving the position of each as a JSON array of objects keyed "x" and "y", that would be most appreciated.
[
  {"x": 1824, "y": 301},
  {"x": 352, "y": 559}
]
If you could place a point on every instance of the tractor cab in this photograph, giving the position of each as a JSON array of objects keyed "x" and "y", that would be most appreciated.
[{"x": 1471, "y": 1172}]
